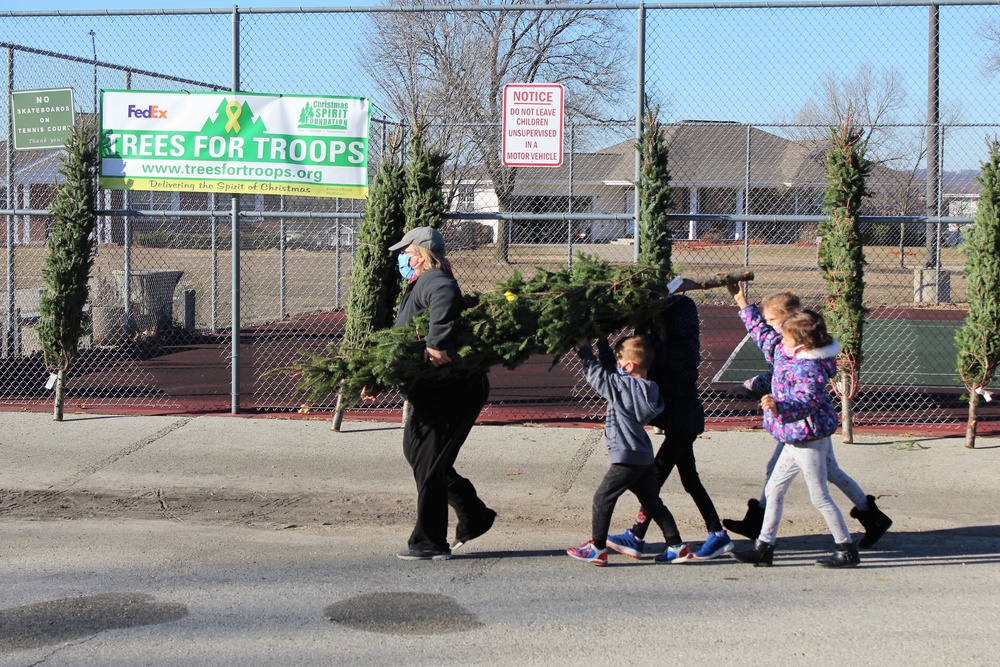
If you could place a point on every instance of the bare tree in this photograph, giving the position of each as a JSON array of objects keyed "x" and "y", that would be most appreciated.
[
  {"x": 874, "y": 99},
  {"x": 990, "y": 31},
  {"x": 451, "y": 66},
  {"x": 878, "y": 101}
]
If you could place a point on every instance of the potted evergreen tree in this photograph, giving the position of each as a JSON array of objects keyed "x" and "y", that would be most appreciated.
[
  {"x": 978, "y": 339},
  {"x": 70, "y": 256},
  {"x": 842, "y": 257},
  {"x": 375, "y": 285},
  {"x": 655, "y": 239}
]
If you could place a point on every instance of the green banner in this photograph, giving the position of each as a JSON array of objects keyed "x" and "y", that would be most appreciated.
[
  {"x": 303, "y": 145},
  {"x": 42, "y": 118}
]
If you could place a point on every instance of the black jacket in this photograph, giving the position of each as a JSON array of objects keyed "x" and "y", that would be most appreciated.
[
  {"x": 435, "y": 290},
  {"x": 675, "y": 370}
]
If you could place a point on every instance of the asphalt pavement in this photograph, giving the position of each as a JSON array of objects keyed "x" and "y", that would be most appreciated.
[{"x": 216, "y": 540}]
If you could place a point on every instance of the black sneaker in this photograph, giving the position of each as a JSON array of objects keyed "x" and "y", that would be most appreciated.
[
  {"x": 463, "y": 535},
  {"x": 423, "y": 554}
]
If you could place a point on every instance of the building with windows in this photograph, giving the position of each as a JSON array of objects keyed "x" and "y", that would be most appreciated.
[{"x": 715, "y": 168}]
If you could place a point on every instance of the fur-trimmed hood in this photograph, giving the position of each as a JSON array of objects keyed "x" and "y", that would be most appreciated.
[{"x": 826, "y": 352}]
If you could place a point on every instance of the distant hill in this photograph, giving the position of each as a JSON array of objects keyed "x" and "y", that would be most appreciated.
[{"x": 956, "y": 181}]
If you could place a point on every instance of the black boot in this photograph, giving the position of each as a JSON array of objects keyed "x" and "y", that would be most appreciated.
[
  {"x": 761, "y": 555},
  {"x": 874, "y": 521},
  {"x": 751, "y": 524},
  {"x": 846, "y": 555}
]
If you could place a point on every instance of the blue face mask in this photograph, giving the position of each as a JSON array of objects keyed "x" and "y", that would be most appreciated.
[
  {"x": 622, "y": 371},
  {"x": 405, "y": 270}
]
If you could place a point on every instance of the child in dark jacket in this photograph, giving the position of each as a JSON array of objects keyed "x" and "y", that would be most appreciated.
[
  {"x": 633, "y": 400},
  {"x": 675, "y": 372},
  {"x": 800, "y": 413}
]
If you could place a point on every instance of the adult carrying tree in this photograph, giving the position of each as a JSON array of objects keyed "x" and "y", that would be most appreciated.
[
  {"x": 978, "y": 340},
  {"x": 544, "y": 314},
  {"x": 70, "y": 256}
]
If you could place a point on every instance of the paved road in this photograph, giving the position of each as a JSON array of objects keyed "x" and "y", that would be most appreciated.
[{"x": 220, "y": 541}]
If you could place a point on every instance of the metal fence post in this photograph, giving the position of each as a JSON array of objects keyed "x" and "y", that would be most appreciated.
[
  {"x": 127, "y": 251},
  {"x": 93, "y": 44},
  {"x": 336, "y": 261},
  {"x": 282, "y": 267},
  {"x": 569, "y": 205},
  {"x": 640, "y": 102},
  {"x": 213, "y": 320},
  {"x": 937, "y": 239},
  {"x": 932, "y": 186},
  {"x": 745, "y": 225},
  {"x": 235, "y": 218},
  {"x": 11, "y": 319}
]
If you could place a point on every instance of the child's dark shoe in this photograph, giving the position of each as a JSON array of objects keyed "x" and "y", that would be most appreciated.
[
  {"x": 751, "y": 524},
  {"x": 846, "y": 555},
  {"x": 875, "y": 522},
  {"x": 762, "y": 554}
]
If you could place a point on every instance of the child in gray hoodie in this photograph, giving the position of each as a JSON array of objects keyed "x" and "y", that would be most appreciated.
[{"x": 620, "y": 378}]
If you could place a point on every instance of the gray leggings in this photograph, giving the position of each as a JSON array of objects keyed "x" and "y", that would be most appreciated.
[
  {"x": 834, "y": 474},
  {"x": 810, "y": 458}
]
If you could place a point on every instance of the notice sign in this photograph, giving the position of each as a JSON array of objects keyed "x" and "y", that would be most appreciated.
[
  {"x": 532, "y": 125},
  {"x": 42, "y": 118},
  {"x": 237, "y": 143}
]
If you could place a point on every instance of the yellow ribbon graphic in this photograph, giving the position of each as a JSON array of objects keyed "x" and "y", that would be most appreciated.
[{"x": 233, "y": 111}]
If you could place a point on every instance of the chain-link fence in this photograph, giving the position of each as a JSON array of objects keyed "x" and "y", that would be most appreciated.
[{"x": 747, "y": 95}]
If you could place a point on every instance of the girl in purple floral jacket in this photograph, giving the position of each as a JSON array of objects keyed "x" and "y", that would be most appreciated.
[{"x": 800, "y": 413}]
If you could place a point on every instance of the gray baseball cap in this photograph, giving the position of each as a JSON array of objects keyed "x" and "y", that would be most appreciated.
[{"x": 425, "y": 237}]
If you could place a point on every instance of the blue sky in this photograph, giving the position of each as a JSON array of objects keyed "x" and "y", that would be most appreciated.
[
  {"x": 741, "y": 65},
  {"x": 84, "y": 5}
]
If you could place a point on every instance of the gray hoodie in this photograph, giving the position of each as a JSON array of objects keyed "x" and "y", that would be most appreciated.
[{"x": 632, "y": 403}]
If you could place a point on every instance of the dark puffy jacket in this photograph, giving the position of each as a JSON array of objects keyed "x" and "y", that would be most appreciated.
[{"x": 675, "y": 369}]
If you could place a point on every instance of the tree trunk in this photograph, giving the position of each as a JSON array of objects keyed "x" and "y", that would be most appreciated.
[
  {"x": 847, "y": 418},
  {"x": 715, "y": 280},
  {"x": 338, "y": 413},
  {"x": 970, "y": 428},
  {"x": 57, "y": 407}
]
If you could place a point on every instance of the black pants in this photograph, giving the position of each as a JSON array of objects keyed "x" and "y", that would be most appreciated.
[
  {"x": 440, "y": 420},
  {"x": 640, "y": 480},
  {"x": 677, "y": 451}
]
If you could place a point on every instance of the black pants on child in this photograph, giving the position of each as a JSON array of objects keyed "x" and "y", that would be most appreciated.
[
  {"x": 641, "y": 481},
  {"x": 441, "y": 418},
  {"x": 677, "y": 451}
]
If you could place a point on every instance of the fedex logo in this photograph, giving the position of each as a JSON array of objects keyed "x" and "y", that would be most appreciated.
[{"x": 149, "y": 112}]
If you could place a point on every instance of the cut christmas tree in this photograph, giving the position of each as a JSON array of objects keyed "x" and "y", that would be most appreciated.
[{"x": 501, "y": 327}]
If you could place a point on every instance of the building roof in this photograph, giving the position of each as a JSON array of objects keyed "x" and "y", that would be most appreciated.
[
  {"x": 703, "y": 154},
  {"x": 31, "y": 166}
]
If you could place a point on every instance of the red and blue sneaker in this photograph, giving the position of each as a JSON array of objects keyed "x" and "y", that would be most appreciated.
[
  {"x": 679, "y": 553},
  {"x": 627, "y": 543},
  {"x": 588, "y": 553},
  {"x": 716, "y": 545}
]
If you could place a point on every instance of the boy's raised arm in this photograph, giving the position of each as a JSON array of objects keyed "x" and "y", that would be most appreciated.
[{"x": 597, "y": 377}]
